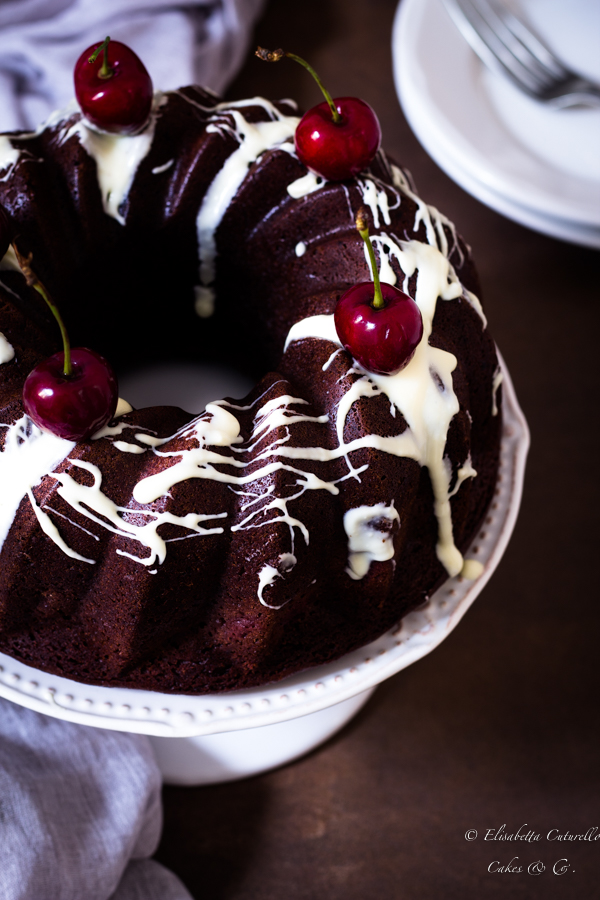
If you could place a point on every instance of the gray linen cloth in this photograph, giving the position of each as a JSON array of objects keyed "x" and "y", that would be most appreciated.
[
  {"x": 180, "y": 42},
  {"x": 80, "y": 813}
]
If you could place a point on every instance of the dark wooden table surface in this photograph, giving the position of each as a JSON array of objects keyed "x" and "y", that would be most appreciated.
[{"x": 500, "y": 724}]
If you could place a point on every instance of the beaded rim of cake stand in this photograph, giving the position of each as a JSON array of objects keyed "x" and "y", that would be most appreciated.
[{"x": 182, "y": 715}]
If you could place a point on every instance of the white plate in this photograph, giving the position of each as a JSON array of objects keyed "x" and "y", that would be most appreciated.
[
  {"x": 585, "y": 235},
  {"x": 173, "y": 715},
  {"x": 537, "y": 165}
]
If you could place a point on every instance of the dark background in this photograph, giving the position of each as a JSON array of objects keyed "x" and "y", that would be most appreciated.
[{"x": 500, "y": 724}]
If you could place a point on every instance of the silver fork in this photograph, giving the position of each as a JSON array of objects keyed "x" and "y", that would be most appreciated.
[{"x": 506, "y": 44}]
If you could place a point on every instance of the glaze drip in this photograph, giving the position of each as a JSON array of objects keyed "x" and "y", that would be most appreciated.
[
  {"x": 28, "y": 455},
  {"x": 7, "y": 351},
  {"x": 369, "y": 530},
  {"x": 253, "y": 138},
  {"x": 117, "y": 156},
  {"x": 9, "y": 156},
  {"x": 422, "y": 392}
]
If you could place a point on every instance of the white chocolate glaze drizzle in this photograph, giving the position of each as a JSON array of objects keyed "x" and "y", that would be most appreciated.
[
  {"x": 374, "y": 194},
  {"x": 7, "y": 351},
  {"x": 158, "y": 170},
  {"x": 213, "y": 448},
  {"x": 305, "y": 185},
  {"x": 422, "y": 391},
  {"x": 29, "y": 453},
  {"x": 9, "y": 156},
  {"x": 472, "y": 569},
  {"x": 9, "y": 262},
  {"x": 123, "y": 407},
  {"x": 496, "y": 384},
  {"x": 269, "y": 573},
  {"x": 367, "y": 540},
  {"x": 254, "y": 138},
  {"x": 91, "y": 502},
  {"x": 376, "y": 200},
  {"x": 117, "y": 156}
]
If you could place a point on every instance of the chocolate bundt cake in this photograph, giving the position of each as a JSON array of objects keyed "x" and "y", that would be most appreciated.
[{"x": 268, "y": 534}]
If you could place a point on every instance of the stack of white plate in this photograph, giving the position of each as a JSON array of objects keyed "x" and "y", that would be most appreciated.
[{"x": 537, "y": 165}]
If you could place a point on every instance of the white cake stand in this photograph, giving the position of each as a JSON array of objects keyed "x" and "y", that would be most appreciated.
[{"x": 222, "y": 737}]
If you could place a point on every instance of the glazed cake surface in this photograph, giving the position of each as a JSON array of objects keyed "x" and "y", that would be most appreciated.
[{"x": 270, "y": 533}]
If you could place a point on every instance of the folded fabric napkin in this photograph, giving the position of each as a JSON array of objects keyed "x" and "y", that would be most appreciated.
[
  {"x": 80, "y": 808},
  {"x": 180, "y": 42},
  {"x": 80, "y": 813}
]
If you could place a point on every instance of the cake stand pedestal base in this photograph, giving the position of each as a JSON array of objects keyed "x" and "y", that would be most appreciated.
[{"x": 231, "y": 755}]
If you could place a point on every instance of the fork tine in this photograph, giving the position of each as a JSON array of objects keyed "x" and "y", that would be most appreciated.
[
  {"x": 541, "y": 53},
  {"x": 525, "y": 45},
  {"x": 499, "y": 20},
  {"x": 486, "y": 43},
  {"x": 506, "y": 44}
]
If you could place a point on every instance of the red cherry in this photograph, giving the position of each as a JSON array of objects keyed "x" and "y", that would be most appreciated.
[
  {"x": 338, "y": 138},
  {"x": 115, "y": 91},
  {"x": 4, "y": 232},
  {"x": 338, "y": 150},
  {"x": 381, "y": 340},
  {"x": 71, "y": 407},
  {"x": 378, "y": 324}
]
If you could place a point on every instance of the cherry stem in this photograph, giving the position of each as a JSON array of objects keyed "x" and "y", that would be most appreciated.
[
  {"x": 105, "y": 70},
  {"x": 363, "y": 230},
  {"x": 34, "y": 282},
  {"x": 276, "y": 55}
]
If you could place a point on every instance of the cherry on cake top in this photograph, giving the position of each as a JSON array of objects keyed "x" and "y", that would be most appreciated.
[
  {"x": 378, "y": 324},
  {"x": 339, "y": 137},
  {"x": 72, "y": 407},
  {"x": 73, "y": 393},
  {"x": 113, "y": 87}
]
